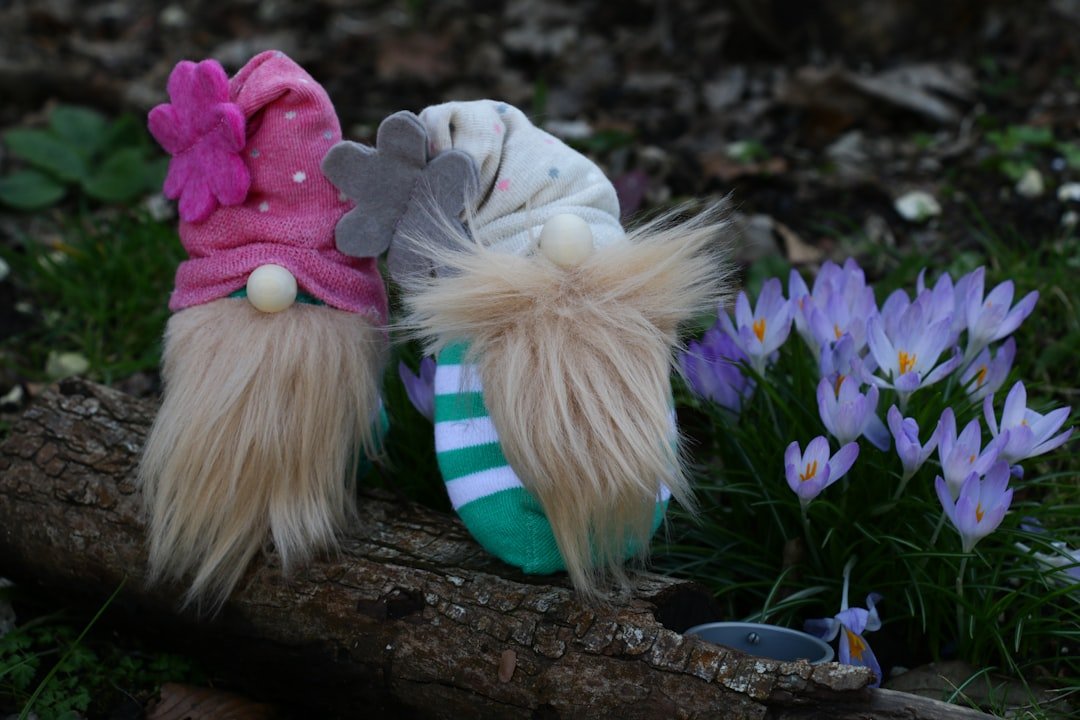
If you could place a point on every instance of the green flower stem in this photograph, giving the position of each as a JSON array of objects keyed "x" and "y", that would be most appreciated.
[
  {"x": 902, "y": 487},
  {"x": 960, "y": 597},
  {"x": 809, "y": 534},
  {"x": 937, "y": 530}
]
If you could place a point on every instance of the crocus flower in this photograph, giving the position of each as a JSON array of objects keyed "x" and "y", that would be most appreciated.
[
  {"x": 1029, "y": 433},
  {"x": 981, "y": 506},
  {"x": 936, "y": 304},
  {"x": 948, "y": 298},
  {"x": 848, "y": 413},
  {"x": 992, "y": 319},
  {"x": 840, "y": 303},
  {"x": 1063, "y": 561},
  {"x": 811, "y": 472},
  {"x": 905, "y": 432},
  {"x": 906, "y": 342},
  {"x": 761, "y": 332},
  {"x": 842, "y": 308},
  {"x": 712, "y": 371},
  {"x": 963, "y": 455},
  {"x": 420, "y": 387},
  {"x": 799, "y": 295},
  {"x": 850, "y": 624},
  {"x": 984, "y": 375}
]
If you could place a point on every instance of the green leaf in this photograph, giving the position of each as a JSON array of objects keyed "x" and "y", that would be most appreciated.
[
  {"x": 1028, "y": 135},
  {"x": 121, "y": 178},
  {"x": 1015, "y": 169},
  {"x": 30, "y": 190},
  {"x": 81, "y": 128},
  {"x": 48, "y": 152},
  {"x": 124, "y": 132},
  {"x": 155, "y": 172},
  {"x": 1071, "y": 153}
]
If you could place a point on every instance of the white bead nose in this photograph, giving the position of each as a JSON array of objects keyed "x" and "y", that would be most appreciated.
[
  {"x": 271, "y": 288},
  {"x": 566, "y": 240}
]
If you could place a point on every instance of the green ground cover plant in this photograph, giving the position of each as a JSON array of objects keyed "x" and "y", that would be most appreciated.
[
  {"x": 107, "y": 161},
  {"x": 100, "y": 292}
]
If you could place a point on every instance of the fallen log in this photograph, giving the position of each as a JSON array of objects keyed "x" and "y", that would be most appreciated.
[{"x": 411, "y": 618}]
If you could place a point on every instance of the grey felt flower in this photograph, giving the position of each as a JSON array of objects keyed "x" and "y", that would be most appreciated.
[{"x": 399, "y": 193}]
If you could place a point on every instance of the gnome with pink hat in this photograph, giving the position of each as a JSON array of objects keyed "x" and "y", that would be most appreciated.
[{"x": 275, "y": 351}]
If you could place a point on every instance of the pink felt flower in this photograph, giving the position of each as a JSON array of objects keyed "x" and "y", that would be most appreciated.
[{"x": 205, "y": 135}]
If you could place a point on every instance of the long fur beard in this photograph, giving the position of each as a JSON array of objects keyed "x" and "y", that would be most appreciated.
[
  {"x": 576, "y": 365},
  {"x": 260, "y": 432}
]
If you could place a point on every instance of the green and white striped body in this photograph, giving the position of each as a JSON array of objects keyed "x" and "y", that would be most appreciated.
[{"x": 485, "y": 491}]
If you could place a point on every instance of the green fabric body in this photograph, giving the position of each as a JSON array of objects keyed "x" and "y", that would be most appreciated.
[{"x": 507, "y": 521}]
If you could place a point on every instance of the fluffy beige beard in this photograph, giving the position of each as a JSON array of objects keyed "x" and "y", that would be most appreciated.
[
  {"x": 576, "y": 366},
  {"x": 260, "y": 431}
]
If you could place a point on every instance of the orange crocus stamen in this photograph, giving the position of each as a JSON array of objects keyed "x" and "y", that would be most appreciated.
[
  {"x": 811, "y": 471},
  {"x": 980, "y": 377},
  {"x": 979, "y": 512},
  {"x": 857, "y": 645},
  {"x": 759, "y": 329},
  {"x": 906, "y": 361},
  {"x": 839, "y": 382},
  {"x": 836, "y": 330}
]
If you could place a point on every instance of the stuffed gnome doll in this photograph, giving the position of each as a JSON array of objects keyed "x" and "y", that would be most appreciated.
[
  {"x": 554, "y": 330},
  {"x": 274, "y": 353}
]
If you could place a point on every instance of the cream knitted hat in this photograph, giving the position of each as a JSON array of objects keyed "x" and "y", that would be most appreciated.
[{"x": 526, "y": 175}]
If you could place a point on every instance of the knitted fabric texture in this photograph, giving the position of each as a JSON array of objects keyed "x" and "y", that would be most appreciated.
[
  {"x": 290, "y": 210},
  {"x": 484, "y": 490},
  {"x": 526, "y": 175}
]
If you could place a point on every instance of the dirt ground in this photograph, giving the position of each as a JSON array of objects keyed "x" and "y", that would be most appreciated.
[{"x": 815, "y": 122}]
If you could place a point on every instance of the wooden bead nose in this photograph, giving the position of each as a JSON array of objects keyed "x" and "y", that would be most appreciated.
[
  {"x": 271, "y": 288},
  {"x": 566, "y": 240}
]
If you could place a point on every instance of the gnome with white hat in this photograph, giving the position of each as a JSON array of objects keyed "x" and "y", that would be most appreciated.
[
  {"x": 274, "y": 354},
  {"x": 555, "y": 333}
]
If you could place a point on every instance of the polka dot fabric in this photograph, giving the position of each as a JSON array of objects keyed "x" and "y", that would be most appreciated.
[
  {"x": 526, "y": 175},
  {"x": 291, "y": 210}
]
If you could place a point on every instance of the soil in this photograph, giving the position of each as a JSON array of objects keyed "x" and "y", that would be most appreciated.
[{"x": 835, "y": 113}]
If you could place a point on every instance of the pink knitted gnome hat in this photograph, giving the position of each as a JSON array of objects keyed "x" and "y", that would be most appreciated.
[{"x": 245, "y": 168}]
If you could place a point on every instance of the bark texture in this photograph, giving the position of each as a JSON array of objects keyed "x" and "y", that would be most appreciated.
[{"x": 411, "y": 618}]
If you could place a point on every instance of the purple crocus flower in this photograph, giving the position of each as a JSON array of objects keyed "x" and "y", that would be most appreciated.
[
  {"x": 799, "y": 295},
  {"x": 711, "y": 368},
  {"x": 948, "y": 298},
  {"x": 420, "y": 387},
  {"x": 992, "y": 319},
  {"x": 840, "y": 303},
  {"x": 848, "y": 413},
  {"x": 842, "y": 307},
  {"x": 905, "y": 432},
  {"x": 1063, "y": 561},
  {"x": 906, "y": 341},
  {"x": 981, "y": 506},
  {"x": 1029, "y": 433},
  {"x": 985, "y": 375},
  {"x": 850, "y": 624},
  {"x": 811, "y": 472},
  {"x": 761, "y": 332},
  {"x": 963, "y": 455}
]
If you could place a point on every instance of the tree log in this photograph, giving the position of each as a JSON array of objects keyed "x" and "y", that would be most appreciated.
[{"x": 411, "y": 617}]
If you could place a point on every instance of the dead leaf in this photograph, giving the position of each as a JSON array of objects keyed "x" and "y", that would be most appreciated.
[
  {"x": 798, "y": 252},
  {"x": 188, "y": 702},
  {"x": 507, "y": 665},
  {"x": 723, "y": 167},
  {"x": 927, "y": 89}
]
